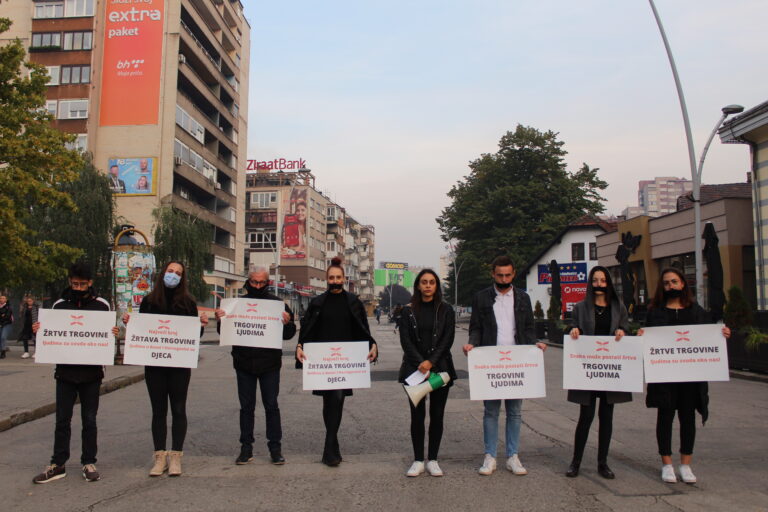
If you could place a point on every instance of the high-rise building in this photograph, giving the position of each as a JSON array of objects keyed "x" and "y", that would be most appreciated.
[
  {"x": 156, "y": 91},
  {"x": 658, "y": 196}
]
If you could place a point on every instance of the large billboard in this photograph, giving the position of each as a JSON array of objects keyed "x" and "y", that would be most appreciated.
[
  {"x": 293, "y": 242},
  {"x": 385, "y": 277},
  {"x": 133, "y": 176},
  {"x": 133, "y": 50}
]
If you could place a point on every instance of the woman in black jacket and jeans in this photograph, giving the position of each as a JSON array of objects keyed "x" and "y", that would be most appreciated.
[
  {"x": 170, "y": 296},
  {"x": 427, "y": 329},
  {"x": 336, "y": 315},
  {"x": 673, "y": 304}
]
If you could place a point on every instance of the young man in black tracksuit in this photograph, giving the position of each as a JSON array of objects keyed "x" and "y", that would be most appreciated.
[
  {"x": 73, "y": 381},
  {"x": 255, "y": 365}
]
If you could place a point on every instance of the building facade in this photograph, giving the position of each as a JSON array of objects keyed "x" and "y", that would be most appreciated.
[{"x": 658, "y": 196}]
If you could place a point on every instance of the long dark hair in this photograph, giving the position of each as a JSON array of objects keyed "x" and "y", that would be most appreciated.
[
  {"x": 658, "y": 298},
  {"x": 182, "y": 299},
  {"x": 416, "y": 299},
  {"x": 611, "y": 294}
]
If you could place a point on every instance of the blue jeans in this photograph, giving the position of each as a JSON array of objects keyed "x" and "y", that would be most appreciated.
[
  {"x": 246, "y": 392},
  {"x": 491, "y": 425},
  {"x": 5, "y": 332}
]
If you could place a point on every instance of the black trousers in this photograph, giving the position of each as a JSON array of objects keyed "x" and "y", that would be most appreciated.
[
  {"x": 66, "y": 396},
  {"x": 333, "y": 407},
  {"x": 246, "y": 391},
  {"x": 437, "y": 400},
  {"x": 687, "y": 419},
  {"x": 164, "y": 385},
  {"x": 586, "y": 415}
]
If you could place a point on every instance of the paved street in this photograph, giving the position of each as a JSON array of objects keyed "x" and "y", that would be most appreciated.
[{"x": 375, "y": 444}]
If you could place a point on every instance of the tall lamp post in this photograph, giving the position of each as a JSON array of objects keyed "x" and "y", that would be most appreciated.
[{"x": 695, "y": 171}]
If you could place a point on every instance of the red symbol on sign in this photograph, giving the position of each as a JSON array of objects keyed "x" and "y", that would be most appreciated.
[
  {"x": 76, "y": 318},
  {"x": 336, "y": 351},
  {"x": 249, "y": 310},
  {"x": 164, "y": 326},
  {"x": 505, "y": 355},
  {"x": 683, "y": 335},
  {"x": 602, "y": 346}
]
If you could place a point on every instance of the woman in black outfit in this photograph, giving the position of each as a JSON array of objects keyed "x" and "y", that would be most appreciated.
[
  {"x": 336, "y": 315},
  {"x": 601, "y": 313},
  {"x": 169, "y": 296},
  {"x": 673, "y": 304},
  {"x": 427, "y": 328}
]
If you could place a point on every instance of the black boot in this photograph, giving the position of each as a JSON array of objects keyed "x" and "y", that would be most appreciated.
[
  {"x": 330, "y": 456},
  {"x": 246, "y": 455},
  {"x": 604, "y": 471},
  {"x": 573, "y": 469}
]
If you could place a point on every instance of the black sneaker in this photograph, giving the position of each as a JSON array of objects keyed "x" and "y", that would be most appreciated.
[
  {"x": 246, "y": 455},
  {"x": 51, "y": 473},
  {"x": 277, "y": 457},
  {"x": 90, "y": 474}
]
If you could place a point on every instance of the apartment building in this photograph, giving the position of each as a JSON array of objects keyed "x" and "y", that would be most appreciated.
[
  {"x": 156, "y": 91},
  {"x": 658, "y": 196}
]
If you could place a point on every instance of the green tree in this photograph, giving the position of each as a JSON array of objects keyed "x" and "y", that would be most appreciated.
[
  {"x": 34, "y": 167},
  {"x": 515, "y": 202},
  {"x": 182, "y": 237}
]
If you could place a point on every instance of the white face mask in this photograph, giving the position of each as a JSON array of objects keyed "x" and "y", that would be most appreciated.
[{"x": 171, "y": 279}]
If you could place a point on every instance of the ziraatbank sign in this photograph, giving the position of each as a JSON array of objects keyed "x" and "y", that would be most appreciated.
[{"x": 278, "y": 164}]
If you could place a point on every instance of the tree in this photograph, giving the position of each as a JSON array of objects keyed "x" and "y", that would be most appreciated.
[
  {"x": 400, "y": 295},
  {"x": 515, "y": 202},
  {"x": 182, "y": 237},
  {"x": 34, "y": 166}
]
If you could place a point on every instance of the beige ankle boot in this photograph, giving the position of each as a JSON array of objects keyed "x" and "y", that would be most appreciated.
[
  {"x": 161, "y": 463},
  {"x": 174, "y": 463}
]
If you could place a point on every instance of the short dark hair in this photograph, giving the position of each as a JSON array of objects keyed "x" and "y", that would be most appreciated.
[
  {"x": 80, "y": 270},
  {"x": 502, "y": 261}
]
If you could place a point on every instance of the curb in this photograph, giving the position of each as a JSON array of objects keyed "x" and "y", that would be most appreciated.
[{"x": 44, "y": 410}]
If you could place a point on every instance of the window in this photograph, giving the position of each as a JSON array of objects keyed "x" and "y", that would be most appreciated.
[
  {"x": 224, "y": 265},
  {"x": 75, "y": 74},
  {"x": 73, "y": 109},
  {"x": 593, "y": 250},
  {"x": 49, "y": 9},
  {"x": 182, "y": 151},
  {"x": 52, "y": 106},
  {"x": 46, "y": 40},
  {"x": 331, "y": 246},
  {"x": 577, "y": 252},
  {"x": 80, "y": 143},
  {"x": 78, "y": 40},
  {"x": 190, "y": 125},
  {"x": 53, "y": 72},
  {"x": 74, "y": 8},
  {"x": 209, "y": 170},
  {"x": 262, "y": 239},
  {"x": 263, "y": 199}
]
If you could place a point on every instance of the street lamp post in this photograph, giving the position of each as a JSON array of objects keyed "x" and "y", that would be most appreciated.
[{"x": 695, "y": 171}]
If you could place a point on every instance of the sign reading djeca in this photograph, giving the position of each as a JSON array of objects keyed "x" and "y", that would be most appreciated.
[{"x": 278, "y": 164}]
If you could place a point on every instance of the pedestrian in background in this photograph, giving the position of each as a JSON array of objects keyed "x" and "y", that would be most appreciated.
[
  {"x": 335, "y": 315},
  {"x": 28, "y": 313},
  {"x": 170, "y": 296},
  {"x": 427, "y": 329},
  {"x": 673, "y": 304},
  {"x": 6, "y": 324},
  {"x": 601, "y": 313}
]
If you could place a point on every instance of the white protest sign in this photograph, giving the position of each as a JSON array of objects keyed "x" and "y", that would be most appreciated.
[
  {"x": 600, "y": 363},
  {"x": 505, "y": 372},
  {"x": 74, "y": 336},
  {"x": 162, "y": 340},
  {"x": 336, "y": 365},
  {"x": 252, "y": 323},
  {"x": 685, "y": 353}
]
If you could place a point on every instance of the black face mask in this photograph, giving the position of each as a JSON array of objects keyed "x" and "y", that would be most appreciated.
[
  {"x": 603, "y": 289},
  {"x": 503, "y": 286},
  {"x": 335, "y": 286},
  {"x": 79, "y": 294},
  {"x": 673, "y": 294},
  {"x": 253, "y": 290}
]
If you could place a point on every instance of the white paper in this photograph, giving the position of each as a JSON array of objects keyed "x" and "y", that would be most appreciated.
[
  {"x": 336, "y": 365},
  {"x": 506, "y": 372},
  {"x": 162, "y": 340},
  {"x": 685, "y": 353},
  {"x": 600, "y": 363},
  {"x": 73, "y": 336},
  {"x": 252, "y": 323},
  {"x": 416, "y": 378}
]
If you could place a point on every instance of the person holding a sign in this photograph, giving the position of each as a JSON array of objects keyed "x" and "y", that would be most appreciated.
[
  {"x": 601, "y": 313},
  {"x": 75, "y": 381},
  {"x": 501, "y": 315},
  {"x": 673, "y": 304},
  {"x": 256, "y": 365},
  {"x": 427, "y": 330},
  {"x": 170, "y": 296},
  {"x": 336, "y": 315}
]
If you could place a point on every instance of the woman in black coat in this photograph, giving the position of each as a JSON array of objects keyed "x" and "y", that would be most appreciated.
[
  {"x": 601, "y": 313},
  {"x": 673, "y": 304},
  {"x": 427, "y": 329},
  {"x": 336, "y": 315}
]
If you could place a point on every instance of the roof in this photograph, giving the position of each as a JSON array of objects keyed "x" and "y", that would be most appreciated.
[
  {"x": 710, "y": 193},
  {"x": 585, "y": 222},
  {"x": 732, "y": 131}
]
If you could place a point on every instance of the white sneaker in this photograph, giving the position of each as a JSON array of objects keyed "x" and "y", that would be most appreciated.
[
  {"x": 668, "y": 474},
  {"x": 416, "y": 468},
  {"x": 686, "y": 474},
  {"x": 515, "y": 466},
  {"x": 489, "y": 465},
  {"x": 433, "y": 468},
  {"x": 25, "y": 355}
]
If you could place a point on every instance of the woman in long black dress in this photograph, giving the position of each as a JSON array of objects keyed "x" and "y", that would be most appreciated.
[{"x": 335, "y": 315}]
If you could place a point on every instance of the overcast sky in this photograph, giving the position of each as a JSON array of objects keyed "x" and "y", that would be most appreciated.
[{"x": 388, "y": 101}]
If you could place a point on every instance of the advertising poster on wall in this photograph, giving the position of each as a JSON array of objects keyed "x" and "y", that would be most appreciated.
[
  {"x": 293, "y": 245},
  {"x": 131, "y": 66},
  {"x": 134, "y": 272},
  {"x": 384, "y": 277},
  {"x": 132, "y": 176}
]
